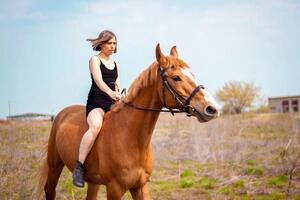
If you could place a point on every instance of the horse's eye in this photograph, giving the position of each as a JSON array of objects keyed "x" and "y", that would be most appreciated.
[{"x": 176, "y": 78}]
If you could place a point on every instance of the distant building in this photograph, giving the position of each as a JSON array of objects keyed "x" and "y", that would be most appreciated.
[
  {"x": 284, "y": 104},
  {"x": 30, "y": 116}
]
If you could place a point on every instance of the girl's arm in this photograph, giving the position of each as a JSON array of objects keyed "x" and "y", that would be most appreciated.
[{"x": 118, "y": 88}]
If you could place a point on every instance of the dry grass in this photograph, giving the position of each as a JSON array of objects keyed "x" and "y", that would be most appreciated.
[{"x": 248, "y": 156}]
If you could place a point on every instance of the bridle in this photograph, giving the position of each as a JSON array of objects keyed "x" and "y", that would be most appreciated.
[{"x": 181, "y": 100}]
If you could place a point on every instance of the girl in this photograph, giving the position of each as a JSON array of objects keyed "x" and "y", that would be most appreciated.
[{"x": 103, "y": 93}]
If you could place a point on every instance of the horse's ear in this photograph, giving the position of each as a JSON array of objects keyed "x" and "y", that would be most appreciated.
[
  {"x": 161, "y": 59},
  {"x": 173, "y": 52}
]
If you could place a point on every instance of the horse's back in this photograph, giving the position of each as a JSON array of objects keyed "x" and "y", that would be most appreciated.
[{"x": 74, "y": 114}]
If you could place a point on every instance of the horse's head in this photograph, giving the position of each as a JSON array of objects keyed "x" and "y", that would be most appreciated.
[{"x": 181, "y": 90}]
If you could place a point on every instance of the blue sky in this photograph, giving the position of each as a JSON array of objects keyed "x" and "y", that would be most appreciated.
[{"x": 44, "y": 54}]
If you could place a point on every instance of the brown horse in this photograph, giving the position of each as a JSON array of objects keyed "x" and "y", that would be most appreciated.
[{"x": 121, "y": 157}]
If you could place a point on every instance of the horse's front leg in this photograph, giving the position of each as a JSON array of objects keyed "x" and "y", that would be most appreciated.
[
  {"x": 114, "y": 191},
  {"x": 92, "y": 191},
  {"x": 140, "y": 193}
]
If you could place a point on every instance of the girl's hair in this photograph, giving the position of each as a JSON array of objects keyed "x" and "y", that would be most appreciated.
[{"x": 103, "y": 37}]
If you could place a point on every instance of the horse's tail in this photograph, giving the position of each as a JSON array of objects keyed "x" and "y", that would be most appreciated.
[{"x": 43, "y": 176}]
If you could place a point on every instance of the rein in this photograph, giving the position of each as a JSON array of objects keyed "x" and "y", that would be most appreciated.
[{"x": 187, "y": 108}]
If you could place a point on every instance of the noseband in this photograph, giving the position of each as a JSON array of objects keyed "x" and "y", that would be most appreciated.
[{"x": 181, "y": 100}]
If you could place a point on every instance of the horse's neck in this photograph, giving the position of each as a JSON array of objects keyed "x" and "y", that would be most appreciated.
[{"x": 140, "y": 124}]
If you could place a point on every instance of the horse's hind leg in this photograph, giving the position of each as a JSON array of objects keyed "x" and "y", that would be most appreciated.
[
  {"x": 53, "y": 176},
  {"x": 55, "y": 167},
  {"x": 92, "y": 191}
]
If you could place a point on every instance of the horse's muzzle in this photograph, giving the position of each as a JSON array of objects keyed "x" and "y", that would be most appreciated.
[
  {"x": 211, "y": 111},
  {"x": 207, "y": 114}
]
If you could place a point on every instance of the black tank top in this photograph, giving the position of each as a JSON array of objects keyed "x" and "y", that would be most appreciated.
[
  {"x": 96, "y": 97},
  {"x": 108, "y": 76}
]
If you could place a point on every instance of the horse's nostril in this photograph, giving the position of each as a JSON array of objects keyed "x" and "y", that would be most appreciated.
[{"x": 210, "y": 110}]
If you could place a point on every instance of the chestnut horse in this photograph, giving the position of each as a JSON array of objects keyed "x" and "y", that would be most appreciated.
[{"x": 121, "y": 157}]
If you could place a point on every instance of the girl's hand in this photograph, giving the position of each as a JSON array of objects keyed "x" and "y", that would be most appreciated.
[{"x": 115, "y": 95}]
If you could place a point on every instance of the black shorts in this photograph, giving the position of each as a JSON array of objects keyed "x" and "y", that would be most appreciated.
[{"x": 98, "y": 101}]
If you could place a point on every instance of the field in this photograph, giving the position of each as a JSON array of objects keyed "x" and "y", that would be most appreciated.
[{"x": 249, "y": 156}]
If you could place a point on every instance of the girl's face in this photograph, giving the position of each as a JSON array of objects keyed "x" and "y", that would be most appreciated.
[{"x": 109, "y": 47}]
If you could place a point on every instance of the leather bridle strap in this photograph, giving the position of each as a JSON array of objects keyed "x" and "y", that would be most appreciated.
[
  {"x": 197, "y": 89},
  {"x": 150, "y": 109},
  {"x": 182, "y": 101},
  {"x": 166, "y": 85},
  {"x": 186, "y": 104}
]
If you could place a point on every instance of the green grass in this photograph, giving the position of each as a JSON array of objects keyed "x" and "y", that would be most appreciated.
[
  {"x": 186, "y": 173},
  {"x": 187, "y": 182},
  {"x": 258, "y": 171},
  {"x": 278, "y": 181},
  {"x": 251, "y": 162},
  {"x": 273, "y": 196},
  {"x": 187, "y": 179},
  {"x": 244, "y": 198},
  {"x": 239, "y": 184},
  {"x": 207, "y": 183},
  {"x": 226, "y": 190},
  {"x": 163, "y": 186}
]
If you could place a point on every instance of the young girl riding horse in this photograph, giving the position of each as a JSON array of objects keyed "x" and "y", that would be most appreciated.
[{"x": 104, "y": 91}]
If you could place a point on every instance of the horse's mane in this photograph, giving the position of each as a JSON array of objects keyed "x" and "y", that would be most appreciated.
[{"x": 146, "y": 78}]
